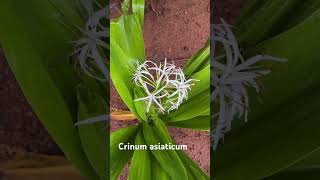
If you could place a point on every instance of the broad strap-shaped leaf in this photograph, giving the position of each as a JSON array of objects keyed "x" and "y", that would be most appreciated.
[
  {"x": 300, "y": 72},
  {"x": 155, "y": 132},
  {"x": 140, "y": 105},
  {"x": 203, "y": 82},
  {"x": 37, "y": 49},
  {"x": 94, "y": 136},
  {"x": 301, "y": 13},
  {"x": 194, "y": 172},
  {"x": 158, "y": 173},
  {"x": 265, "y": 19},
  {"x": 119, "y": 158},
  {"x": 198, "y": 61},
  {"x": 121, "y": 77},
  {"x": 140, "y": 167},
  {"x": 68, "y": 13},
  {"x": 126, "y": 31},
  {"x": 192, "y": 108},
  {"x": 198, "y": 101},
  {"x": 283, "y": 129},
  {"x": 309, "y": 173},
  {"x": 278, "y": 140},
  {"x": 138, "y": 8},
  {"x": 127, "y": 48},
  {"x": 261, "y": 24},
  {"x": 198, "y": 123},
  {"x": 306, "y": 168}
]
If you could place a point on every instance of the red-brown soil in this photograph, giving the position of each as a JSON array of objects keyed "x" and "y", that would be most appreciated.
[{"x": 20, "y": 130}]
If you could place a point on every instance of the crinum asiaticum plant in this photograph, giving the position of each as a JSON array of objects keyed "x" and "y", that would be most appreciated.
[
  {"x": 35, "y": 36},
  {"x": 158, "y": 94},
  {"x": 92, "y": 53},
  {"x": 280, "y": 138},
  {"x": 231, "y": 76},
  {"x": 93, "y": 47}
]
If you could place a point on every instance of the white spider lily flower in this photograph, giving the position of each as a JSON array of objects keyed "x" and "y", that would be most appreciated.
[
  {"x": 231, "y": 75},
  {"x": 152, "y": 97},
  {"x": 182, "y": 88},
  {"x": 91, "y": 46},
  {"x": 165, "y": 85}
]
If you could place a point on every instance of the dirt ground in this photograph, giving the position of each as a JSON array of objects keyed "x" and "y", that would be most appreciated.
[{"x": 20, "y": 130}]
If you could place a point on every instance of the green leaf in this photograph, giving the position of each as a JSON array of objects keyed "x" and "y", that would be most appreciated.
[
  {"x": 138, "y": 8},
  {"x": 198, "y": 101},
  {"x": 140, "y": 167},
  {"x": 67, "y": 13},
  {"x": 306, "y": 168},
  {"x": 300, "y": 72},
  {"x": 194, "y": 172},
  {"x": 127, "y": 48},
  {"x": 192, "y": 107},
  {"x": 140, "y": 105},
  {"x": 37, "y": 50},
  {"x": 119, "y": 158},
  {"x": 301, "y": 13},
  {"x": 198, "y": 123},
  {"x": 94, "y": 137},
  {"x": 126, "y": 32},
  {"x": 155, "y": 133},
  {"x": 261, "y": 20},
  {"x": 251, "y": 8},
  {"x": 308, "y": 172},
  {"x": 274, "y": 142},
  {"x": 203, "y": 82},
  {"x": 198, "y": 61},
  {"x": 122, "y": 78},
  {"x": 258, "y": 26},
  {"x": 158, "y": 173},
  {"x": 282, "y": 130}
]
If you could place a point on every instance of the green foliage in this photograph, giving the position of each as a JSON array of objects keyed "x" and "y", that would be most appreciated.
[
  {"x": 94, "y": 137},
  {"x": 169, "y": 160},
  {"x": 140, "y": 167},
  {"x": 118, "y": 158},
  {"x": 127, "y": 48},
  {"x": 37, "y": 40},
  {"x": 280, "y": 140}
]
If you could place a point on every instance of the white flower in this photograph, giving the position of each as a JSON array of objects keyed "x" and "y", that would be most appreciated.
[
  {"x": 231, "y": 74},
  {"x": 152, "y": 97},
  {"x": 165, "y": 85},
  {"x": 89, "y": 48}
]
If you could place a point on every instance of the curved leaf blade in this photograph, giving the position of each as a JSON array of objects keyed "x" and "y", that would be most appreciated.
[
  {"x": 94, "y": 137},
  {"x": 168, "y": 159},
  {"x": 140, "y": 167},
  {"x": 119, "y": 158}
]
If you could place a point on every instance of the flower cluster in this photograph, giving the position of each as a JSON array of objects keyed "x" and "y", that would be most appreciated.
[
  {"x": 91, "y": 47},
  {"x": 231, "y": 74},
  {"x": 165, "y": 85}
]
